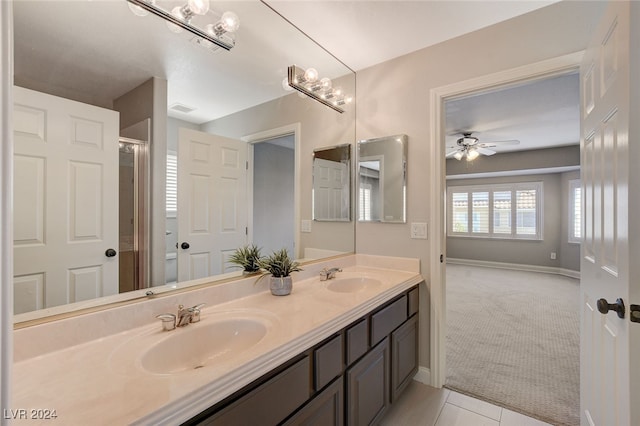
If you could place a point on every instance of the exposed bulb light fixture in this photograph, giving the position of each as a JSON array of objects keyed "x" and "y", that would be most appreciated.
[
  {"x": 182, "y": 18},
  {"x": 309, "y": 83}
]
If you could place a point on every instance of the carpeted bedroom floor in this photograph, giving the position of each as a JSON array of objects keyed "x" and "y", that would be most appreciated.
[{"x": 513, "y": 339}]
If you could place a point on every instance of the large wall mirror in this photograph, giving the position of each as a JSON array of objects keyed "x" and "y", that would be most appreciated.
[
  {"x": 382, "y": 179},
  {"x": 144, "y": 157}
]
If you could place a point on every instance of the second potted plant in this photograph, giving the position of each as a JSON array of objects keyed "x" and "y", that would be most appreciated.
[
  {"x": 280, "y": 266},
  {"x": 248, "y": 258}
]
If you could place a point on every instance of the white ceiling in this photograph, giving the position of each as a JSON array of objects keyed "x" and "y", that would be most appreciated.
[
  {"x": 540, "y": 114},
  {"x": 363, "y": 33}
]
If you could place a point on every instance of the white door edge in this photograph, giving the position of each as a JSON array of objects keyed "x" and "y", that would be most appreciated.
[{"x": 436, "y": 280}]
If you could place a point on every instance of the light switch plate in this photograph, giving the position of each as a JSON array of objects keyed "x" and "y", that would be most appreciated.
[
  {"x": 419, "y": 230},
  {"x": 305, "y": 226}
]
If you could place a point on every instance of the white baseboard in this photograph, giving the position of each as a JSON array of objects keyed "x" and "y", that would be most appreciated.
[
  {"x": 423, "y": 376},
  {"x": 516, "y": 266}
]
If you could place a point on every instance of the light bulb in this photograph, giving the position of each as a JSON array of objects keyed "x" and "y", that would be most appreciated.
[
  {"x": 177, "y": 13},
  {"x": 458, "y": 155},
  {"x": 337, "y": 91},
  {"x": 230, "y": 22},
  {"x": 199, "y": 7},
  {"x": 285, "y": 85},
  {"x": 348, "y": 99},
  {"x": 472, "y": 155},
  {"x": 139, "y": 11},
  {"x": 325, "y": 83},
  {"x": 311, "y": 75}
]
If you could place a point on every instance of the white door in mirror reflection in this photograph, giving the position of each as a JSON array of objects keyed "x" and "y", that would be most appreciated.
[
  {"x": 65, "y": 201},
  {"x": 331, "y": 190},
  {"x": 212, "y": 202}
]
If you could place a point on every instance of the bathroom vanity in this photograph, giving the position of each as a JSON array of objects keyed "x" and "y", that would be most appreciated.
[{"x": 336, "y": 352}]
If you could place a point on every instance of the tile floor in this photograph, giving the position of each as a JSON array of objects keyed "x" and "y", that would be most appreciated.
[{"x": 422, "y": 405}]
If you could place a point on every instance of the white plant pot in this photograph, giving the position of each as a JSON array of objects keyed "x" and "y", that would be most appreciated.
[{"x": 280, "y": 286}]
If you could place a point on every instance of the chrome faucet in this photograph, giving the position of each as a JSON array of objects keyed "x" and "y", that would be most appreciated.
[
  {"x": 327, "y": 274},
  {"x": 185, "y": 317}
]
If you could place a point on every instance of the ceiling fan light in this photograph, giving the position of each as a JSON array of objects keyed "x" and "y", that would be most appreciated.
[
  {"x": 458, "y": 155},
  {"x": 472, "y": 155}
]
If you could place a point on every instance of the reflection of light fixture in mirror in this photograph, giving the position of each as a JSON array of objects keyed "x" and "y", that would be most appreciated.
[
  {"x": 308, "y": 83},
  {"x": 181, "y": 18}
]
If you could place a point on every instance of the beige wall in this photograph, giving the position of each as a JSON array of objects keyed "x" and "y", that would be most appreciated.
[
  {"x": 393, "y": 98},
  {"x": 320, "y": 127}
]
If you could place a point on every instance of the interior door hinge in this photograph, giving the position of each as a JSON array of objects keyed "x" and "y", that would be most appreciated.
[
  {"x": 246, "y": 230},
  {"x": 441, "y": 258},
  {"x": 246, "y": 165}
]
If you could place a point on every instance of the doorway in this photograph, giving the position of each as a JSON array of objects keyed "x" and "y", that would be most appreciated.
[{"x": 273, "y": 194}]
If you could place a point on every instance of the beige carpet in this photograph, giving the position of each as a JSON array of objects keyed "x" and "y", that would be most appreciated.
[{"x": 513, "y": 340}]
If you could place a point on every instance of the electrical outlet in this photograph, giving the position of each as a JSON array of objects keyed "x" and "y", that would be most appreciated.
[
  {"x": 419, "y": 231},
  {"x": 553, "y": 255},
  {"x": 305, "y": 226}
]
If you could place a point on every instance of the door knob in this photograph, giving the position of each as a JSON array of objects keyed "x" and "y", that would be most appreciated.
[
  {"x": 184, "y": 246},
  {"x": 604, "y": 307},
  {"x": 110, "y": 253}
]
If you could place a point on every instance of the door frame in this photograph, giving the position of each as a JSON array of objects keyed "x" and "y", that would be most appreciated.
[
  {"x": 294, "y": 129},
  {"x": 536, "y": 71}
]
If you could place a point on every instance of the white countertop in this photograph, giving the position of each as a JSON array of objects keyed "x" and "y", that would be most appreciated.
[{"x": 101, "y": 381}]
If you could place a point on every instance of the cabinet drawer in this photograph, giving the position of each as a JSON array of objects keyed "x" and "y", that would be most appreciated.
[
  {"x": 328, "y": 362},
  {"x": 357, "y": 338},
  {"x": 269, "y": 403},
  {"x": 414, "y": 301},
  {"x": 388, "y": 319}
]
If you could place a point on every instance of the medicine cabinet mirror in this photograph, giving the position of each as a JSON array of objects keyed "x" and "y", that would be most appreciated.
[{"x": 382, "y": 179}]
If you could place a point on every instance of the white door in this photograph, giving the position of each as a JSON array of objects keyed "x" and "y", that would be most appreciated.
[
  {"x": 212, "y": 202},
  {"x": 331, "y": 190},
  {"x": 65, "y": 204},
  {"x": 609, "y": 377}
]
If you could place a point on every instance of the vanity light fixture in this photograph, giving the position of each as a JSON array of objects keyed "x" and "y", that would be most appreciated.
[
  {"x": 309, "y": 83},
  {"x": 182, "y": 17}
]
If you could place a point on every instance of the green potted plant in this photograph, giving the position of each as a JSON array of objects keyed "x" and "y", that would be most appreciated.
[
  {"x": 280, "y": 266},
  {"x": 248, "y": 258}
]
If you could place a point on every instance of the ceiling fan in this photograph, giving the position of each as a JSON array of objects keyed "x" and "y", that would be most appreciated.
[{"x": 470, "y": 147}]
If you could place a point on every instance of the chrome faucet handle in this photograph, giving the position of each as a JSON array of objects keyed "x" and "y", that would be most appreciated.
[
  {"x": 168, "y": 321},
  {"x": 184, "y": 316},
  {"x": 195, "y": 312}
]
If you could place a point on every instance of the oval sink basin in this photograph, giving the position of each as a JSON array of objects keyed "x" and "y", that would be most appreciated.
[
  {"x": 201, "y": 344},
  {"x": 351, "y": 285}
]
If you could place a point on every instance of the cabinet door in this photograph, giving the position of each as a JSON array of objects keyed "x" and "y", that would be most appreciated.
[
  {"x": 404, "y": 356},
  {"x": 368, "y": 386},
  {"x": 326, "y": 409}
]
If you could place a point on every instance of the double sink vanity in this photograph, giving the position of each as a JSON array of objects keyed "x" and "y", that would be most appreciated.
[{"x": 338, "y": 350}]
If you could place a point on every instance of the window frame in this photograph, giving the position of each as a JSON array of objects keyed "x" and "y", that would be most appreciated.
[
  {"x": 573, "y": 185},
  {"x": 491, "y": 189}
]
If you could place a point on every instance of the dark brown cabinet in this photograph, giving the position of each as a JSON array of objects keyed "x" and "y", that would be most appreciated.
[
  {"x": 326, "y": 409},
  {"x": 404, "y": 356},
  {"x": 350, "y": 378},
  {"x": 368, "y": 386}
]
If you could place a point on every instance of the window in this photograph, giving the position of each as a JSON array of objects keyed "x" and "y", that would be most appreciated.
[
  {"x": 172, "y": 184},
  {"x": 575, "y": 211},
  {"x": 365, "y": 201},
  {"x": 496, "y": 211}
]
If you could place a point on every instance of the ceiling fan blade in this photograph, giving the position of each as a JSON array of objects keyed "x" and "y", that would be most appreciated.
[
  {"x": 507, "y": 142},
  {"x": 485, "y": 151},
  {"x": 451, "y": 153}
]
